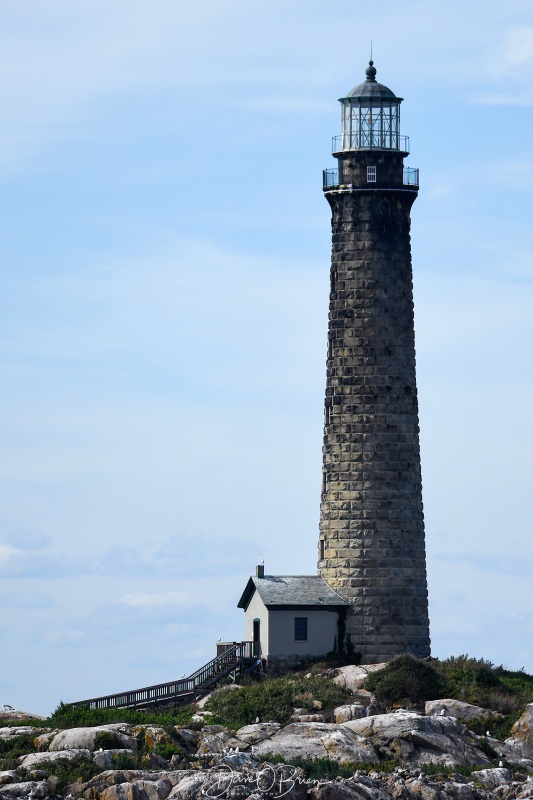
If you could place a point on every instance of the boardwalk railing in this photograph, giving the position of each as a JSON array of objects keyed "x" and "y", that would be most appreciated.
[{"x": 237, "y": 655}]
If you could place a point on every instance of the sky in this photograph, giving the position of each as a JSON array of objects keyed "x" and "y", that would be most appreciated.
[{"x": 164, "y": 268}]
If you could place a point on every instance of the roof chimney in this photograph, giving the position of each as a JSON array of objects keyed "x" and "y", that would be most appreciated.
[{"x": 260, "y": 570}]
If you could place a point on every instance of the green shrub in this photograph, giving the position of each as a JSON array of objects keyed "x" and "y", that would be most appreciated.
[
  {"x": 78, "y": 769},
  {"x": 123, "y": 761},
  {"x": 13, "y": 747},
  {"x": 168, "y": 749},
  {"x": 478, "y": 681},
  {"x": 107, "y": 740},
  {"x": 405, "y": 677},
  {"x": 67, "y": 716},
  {"x": 274, "y": 699}
]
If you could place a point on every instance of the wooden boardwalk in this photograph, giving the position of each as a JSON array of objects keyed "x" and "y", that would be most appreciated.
[{"x": 238, "y": 656}]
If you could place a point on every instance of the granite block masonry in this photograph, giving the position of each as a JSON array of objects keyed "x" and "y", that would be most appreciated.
[{"x": 371, "y": 544}]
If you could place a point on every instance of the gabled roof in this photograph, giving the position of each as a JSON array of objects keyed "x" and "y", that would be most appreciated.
[{"x": 277, "y": 591}]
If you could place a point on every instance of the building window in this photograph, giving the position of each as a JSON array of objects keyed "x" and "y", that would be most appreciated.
[
  {"x": 300, "y": 629},
  {"x": 371, "y": 174},
  {"x": 322, "y": 549}
]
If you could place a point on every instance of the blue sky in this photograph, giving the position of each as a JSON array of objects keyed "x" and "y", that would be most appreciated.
[{"x": 164, "y": 260}]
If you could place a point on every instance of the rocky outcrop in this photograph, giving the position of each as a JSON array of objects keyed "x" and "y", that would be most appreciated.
[
  {"x": 105, "y": 759},
  {"x": 464, "y": 712},
  {"x": 216, "y": 739},
  {"x": 272, "y": 782},
  {"x": 347, "y": 713},
  {"x": 219, "y": 764},
  {"x": 318, "y": 740},
  {"x": 492, "y": 778},
  {"x": 31, "y": 789},
  {"x": 12, "y": 715},
  {"x": 253, "y": 734},
  {"x": 353, "y": 677},
  {"x": 9, "y": 732},
  {"x": 417, "y": 739},
  {"x": 521, "y": 739},
  {"x": 29, "y": 761},
  {"x": 84, "y": 738}
]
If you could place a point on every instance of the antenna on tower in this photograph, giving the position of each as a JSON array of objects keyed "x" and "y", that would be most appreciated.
[{"x": 371, "y": 50}]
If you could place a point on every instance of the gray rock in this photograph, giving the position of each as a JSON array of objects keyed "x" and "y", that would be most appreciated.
[
  {"x": 104, "y": 758},
  {"x": 23, "y": 730},
  {"x": 464, "y": 712},
  {"x": 190, "y": 787},
  {"x": 33, "y": 789},
  {"x": 138, "y": 790},
  {"x": 216, "y": 741},
  {"x": 318, "y": 740},
  {"x": 6, "y": 776},
  {"x": 491, "y": 778},
  {"x": 347, "y": 713},
  {"x": 29, "y": 761},
  {"x": 418, "y": 739},
  {"x": 83, "y": 738},
  {"x": 354, "y": 677},
  {"x": 18, "y": 715},
  {"x": 252, "y": 734},
  {"x": 521, "y": 739},
  {"x": 360, "y": 788}
]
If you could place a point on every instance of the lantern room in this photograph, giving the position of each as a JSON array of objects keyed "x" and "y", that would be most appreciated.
[{"x": 370, "y": 118}]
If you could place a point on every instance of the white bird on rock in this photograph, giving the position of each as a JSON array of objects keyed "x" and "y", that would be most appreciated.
[{"x": 256, "y": 720}]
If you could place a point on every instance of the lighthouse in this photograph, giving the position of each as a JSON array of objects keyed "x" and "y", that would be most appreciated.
[
  {"x": 371, "y": 541},
  {"x": 369, "y": 599}
]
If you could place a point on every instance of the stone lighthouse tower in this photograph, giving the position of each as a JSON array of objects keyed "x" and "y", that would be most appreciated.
[{"x": 371, "y": 546}]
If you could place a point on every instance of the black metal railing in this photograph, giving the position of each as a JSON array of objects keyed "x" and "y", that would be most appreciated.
[
  {"x": 411, "y": 176},
  {"x": 237, "y": 654},
  {"x": 370, "y": 141},
  {"x": 330, "y": 178}
]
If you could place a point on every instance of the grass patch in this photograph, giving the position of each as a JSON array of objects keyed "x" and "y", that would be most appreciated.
[
  {"x": 66, "y": 716},
  {"x": 275, "y": 699}
]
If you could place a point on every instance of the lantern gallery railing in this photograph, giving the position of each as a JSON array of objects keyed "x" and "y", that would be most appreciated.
[
  {"x": 367, "y": 140},
  {"x": 330, "y": 178}
]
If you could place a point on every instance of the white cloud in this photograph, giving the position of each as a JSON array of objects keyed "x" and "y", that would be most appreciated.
[{"x": 8, "y": 554}]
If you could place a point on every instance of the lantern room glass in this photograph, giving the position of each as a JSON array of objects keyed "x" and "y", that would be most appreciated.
[{"x": 368, "y": 124}]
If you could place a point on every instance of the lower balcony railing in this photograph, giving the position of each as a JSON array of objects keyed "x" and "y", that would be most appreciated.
[{"x": 330, "y": 178}]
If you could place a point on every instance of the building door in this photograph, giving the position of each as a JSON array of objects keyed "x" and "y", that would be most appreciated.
[{"x": 257, "y": 637}]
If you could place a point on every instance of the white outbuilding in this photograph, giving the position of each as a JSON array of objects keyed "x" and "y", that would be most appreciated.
[{"x": 292, "y": 617}]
